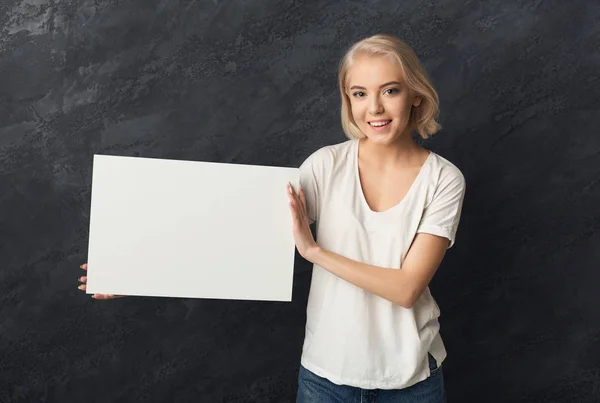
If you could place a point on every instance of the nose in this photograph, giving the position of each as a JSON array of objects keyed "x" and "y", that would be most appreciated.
[{"x": 376, "y": 107}]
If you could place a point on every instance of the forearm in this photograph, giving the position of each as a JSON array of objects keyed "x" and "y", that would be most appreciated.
[
  {"x": 391, "y": 284},
  {"x": 400, "y": 286}
]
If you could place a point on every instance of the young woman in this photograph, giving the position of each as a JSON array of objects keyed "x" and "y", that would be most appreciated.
[{"x": 386, "y": 210}]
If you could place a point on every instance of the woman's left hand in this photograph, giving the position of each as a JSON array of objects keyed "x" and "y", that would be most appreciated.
[{"x": 305, "y": 243}]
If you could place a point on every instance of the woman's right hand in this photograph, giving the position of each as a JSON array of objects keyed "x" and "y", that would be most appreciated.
[{"x": 96, "y": 296}]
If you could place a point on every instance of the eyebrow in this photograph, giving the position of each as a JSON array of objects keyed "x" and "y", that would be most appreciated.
[{"x": 358, "y": 87}]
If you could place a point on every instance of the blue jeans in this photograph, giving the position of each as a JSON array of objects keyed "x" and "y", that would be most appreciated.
[{"x": 314, "y": 389}]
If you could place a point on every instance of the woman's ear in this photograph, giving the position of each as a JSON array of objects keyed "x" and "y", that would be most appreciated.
[{"x": 417, "y": 101}]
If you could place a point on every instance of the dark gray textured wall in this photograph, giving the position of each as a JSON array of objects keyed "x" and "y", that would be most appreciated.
[{"x": 255, "y": 82}]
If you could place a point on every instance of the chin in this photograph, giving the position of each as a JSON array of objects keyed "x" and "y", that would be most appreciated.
[
  {"x": 380, "y": 137},
  {"x": 381, "y": 140}
]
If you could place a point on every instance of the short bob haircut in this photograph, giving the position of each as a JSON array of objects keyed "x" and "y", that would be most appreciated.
[{"x": 423, "y": 117}]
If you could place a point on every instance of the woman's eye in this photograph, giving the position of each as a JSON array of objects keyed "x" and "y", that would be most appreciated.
[
  {"x": 391, "y": 91},
  {"x": 358, "y": 94}
]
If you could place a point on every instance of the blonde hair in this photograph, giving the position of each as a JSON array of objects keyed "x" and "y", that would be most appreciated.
[{"x": 423, "y": 117}]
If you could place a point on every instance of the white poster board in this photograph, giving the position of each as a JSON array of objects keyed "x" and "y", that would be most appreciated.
[{"x": 170, "y": 228}]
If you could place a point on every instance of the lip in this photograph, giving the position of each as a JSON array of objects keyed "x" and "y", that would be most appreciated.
[{"x": 379, "y": 128}]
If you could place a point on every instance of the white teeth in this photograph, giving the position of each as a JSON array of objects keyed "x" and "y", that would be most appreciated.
[{"x": 379, "y": 124}]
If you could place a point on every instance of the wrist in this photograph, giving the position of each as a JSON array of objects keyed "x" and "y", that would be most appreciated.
[{"x": 313, "y": 254}]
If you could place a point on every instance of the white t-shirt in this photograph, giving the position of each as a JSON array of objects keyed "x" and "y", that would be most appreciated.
[{"x": 354, "y": 337}]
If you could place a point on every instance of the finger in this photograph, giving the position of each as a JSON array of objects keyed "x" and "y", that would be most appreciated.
[
  {"x": 292, "y": 190},
  {"x": 107, "y": 296},
  {"x": 292, "y": 196},
  {"x": 83, "y": 279},
  {"x": 302, "y": 199},
  {"x": 82, "y": 287},
  {"x": 84, "y": 266},
  {"x": 296, "y": 213},
  {"x": 298, "y": 199}
]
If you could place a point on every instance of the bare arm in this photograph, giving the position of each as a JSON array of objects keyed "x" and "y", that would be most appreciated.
[{"x": 404, "y": 286}]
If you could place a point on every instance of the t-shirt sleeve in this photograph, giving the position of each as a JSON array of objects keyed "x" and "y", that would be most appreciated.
[
  {"x": 442, "y": 215},
  {"x": 310, "y": 173}
]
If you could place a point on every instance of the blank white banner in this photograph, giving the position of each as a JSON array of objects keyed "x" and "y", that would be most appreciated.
[{"x": 190, "y": 229}]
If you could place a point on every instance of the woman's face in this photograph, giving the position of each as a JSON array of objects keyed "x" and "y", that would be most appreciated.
[{"x": 380, "y": 100}]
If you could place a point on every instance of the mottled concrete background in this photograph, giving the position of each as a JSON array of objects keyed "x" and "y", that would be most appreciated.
[{"x": 255, "y": 82}]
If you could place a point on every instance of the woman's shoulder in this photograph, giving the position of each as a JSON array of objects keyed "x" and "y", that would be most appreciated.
[{"x": 445, "y": 170}]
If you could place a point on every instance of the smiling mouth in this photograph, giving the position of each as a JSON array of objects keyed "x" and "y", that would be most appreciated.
[{"x": 380, "y": 123}]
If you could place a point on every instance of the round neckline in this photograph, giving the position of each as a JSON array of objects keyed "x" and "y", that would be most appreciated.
[{"x": 406, "y": 196}]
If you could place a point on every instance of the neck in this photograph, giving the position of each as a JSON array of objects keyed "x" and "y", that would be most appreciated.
[{"x": 401, "y": 152}]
